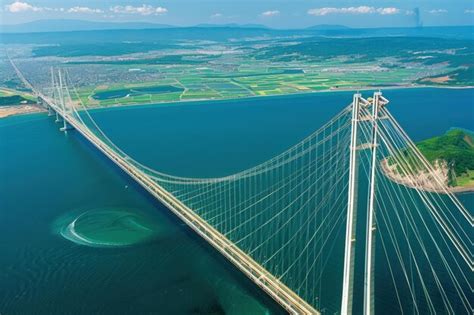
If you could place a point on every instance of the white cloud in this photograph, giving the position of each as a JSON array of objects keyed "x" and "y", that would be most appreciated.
[
  {"x": 349, "y": 10},
  {"x": 84, "y": 10},
  {"x": 468, "y": 11},
  {"x": 438, "y": 11},
  {"x": 216, "y": 15},
  {"x": 270, "y": 13},
  {"x": 388, "y": 11},
  {"x": 143, "y": 10},
  {"x": 353, "y": 10},
  {"x": 19, "y": 6}
]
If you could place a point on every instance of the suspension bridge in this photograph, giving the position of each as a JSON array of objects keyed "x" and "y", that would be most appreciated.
[{"x": 296, "y": 224}]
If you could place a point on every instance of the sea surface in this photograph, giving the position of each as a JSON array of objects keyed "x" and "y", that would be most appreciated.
[{"x": 78, "y": 236}]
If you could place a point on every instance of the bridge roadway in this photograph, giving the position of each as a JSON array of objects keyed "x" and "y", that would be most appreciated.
[{"x": 288, "y": 299}]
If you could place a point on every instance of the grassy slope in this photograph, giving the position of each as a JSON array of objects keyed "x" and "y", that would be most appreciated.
[{"x": 457, "y": 148}]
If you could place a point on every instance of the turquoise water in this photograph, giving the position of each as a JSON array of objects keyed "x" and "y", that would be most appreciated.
[{"x": 50, "y": 179}]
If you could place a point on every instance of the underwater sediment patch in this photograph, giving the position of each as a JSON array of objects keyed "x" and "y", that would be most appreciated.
[{"x": 106, "y": 227}]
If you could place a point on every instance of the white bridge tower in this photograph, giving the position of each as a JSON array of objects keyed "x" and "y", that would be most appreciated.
[{"x": 358, "y": 105}]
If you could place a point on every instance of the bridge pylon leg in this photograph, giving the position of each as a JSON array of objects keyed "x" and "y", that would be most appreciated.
[
  {"x": 349, "y": 252},
  {"x": 66, "y": 125},
  {"x": 50, "y": 111},
  {"x": 377, "y": 103},
  {"x": 57, "y": 118},
  {"x": 370, "y": 224}
]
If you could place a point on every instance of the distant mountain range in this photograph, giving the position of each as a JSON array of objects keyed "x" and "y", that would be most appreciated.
[
  {"x": 44, "y": 31},
  {"x": 327, "y": 27},
  {"x": 75, "y": 25},
  {"x": 81, "y": 25},
  {"x": 234, "y": 25}
]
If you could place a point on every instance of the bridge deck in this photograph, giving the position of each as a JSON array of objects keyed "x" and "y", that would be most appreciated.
[{"x": 260, "y": 276}]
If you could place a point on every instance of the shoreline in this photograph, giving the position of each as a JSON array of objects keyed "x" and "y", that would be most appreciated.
[
  {"x": 301, "y": 93},
  {"x": 421, "y": 184},
  {"x": 17, "y": 110},
  {"x": 217, "y": 100}
]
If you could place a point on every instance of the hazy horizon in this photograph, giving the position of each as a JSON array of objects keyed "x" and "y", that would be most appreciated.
[
  {"x": 230, "y": 24},
  {"x": 271, "y": 13}
]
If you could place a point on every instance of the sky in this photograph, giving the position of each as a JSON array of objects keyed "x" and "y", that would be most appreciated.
[{"x": 272, "y": 13}]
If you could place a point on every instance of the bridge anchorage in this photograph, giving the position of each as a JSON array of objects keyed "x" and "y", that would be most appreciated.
[{"x": 282, "y": 221}]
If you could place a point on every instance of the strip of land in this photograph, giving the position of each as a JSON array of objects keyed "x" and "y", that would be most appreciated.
[
  {"x": 423, "y": 180},
  {"x": 6, "y": 111}
]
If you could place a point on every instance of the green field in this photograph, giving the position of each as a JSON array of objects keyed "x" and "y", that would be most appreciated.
[
  {"x": 225, "y": 68},
  {"x": 246, "y": 82},
  {"x": 466, "y": 179}
]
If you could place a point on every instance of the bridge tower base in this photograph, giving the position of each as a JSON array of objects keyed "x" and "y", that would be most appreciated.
[{"x": 66, "y": 126}]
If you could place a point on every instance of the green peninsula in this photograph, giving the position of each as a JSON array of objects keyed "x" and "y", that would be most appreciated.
[{"x": 456, "y": 149}]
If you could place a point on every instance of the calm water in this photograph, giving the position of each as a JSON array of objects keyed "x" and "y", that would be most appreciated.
[{"x": 49, "y": 179}]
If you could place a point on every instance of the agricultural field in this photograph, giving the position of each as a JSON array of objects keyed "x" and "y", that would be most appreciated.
[{"x": 222, "y": 67}]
